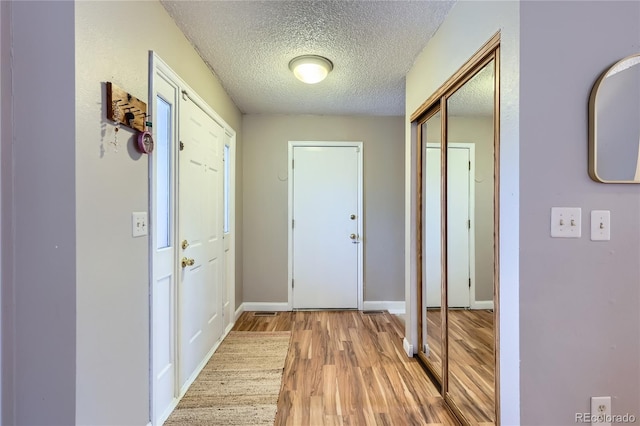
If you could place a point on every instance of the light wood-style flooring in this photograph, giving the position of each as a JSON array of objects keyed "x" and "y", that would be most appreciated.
[
  {"x": 349, "y": 368},
  {"x": 471, "y": 360},
  {"x": 471, "y": 363}
]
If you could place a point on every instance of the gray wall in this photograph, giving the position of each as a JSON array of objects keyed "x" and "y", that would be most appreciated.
[
  {"x": 579, "y": 300},
  {"x": 265, "y": 169},
  {"x": 38, "y": 215}
]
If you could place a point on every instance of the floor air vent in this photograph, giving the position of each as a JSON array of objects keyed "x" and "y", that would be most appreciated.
[
  {"x": 265, "y": 314},
  {"x": 372, "y": 312}
]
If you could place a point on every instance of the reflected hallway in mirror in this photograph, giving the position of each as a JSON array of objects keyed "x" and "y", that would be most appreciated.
[{"x": 470, "y": 247}]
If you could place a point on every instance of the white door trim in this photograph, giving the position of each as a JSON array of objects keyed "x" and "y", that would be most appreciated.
[{"x": 363, "y": 238}]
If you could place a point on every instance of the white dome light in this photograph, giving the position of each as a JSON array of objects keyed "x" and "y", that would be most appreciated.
[{"x": 310, "y": 69}]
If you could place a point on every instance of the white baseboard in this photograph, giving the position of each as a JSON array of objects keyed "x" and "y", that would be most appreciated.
[
  {"x": 482, "y": 304},
  {"x": 239, "y": 312},
  {"x": 395, "y": 308},
  {"x": 265, "y": 306},
  {"x": 408, "y": 347}
]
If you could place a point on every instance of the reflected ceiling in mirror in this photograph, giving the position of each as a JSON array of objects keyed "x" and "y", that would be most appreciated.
[
  {"x": 614, "y": 124},
  {"x": 477, "y": 100}
]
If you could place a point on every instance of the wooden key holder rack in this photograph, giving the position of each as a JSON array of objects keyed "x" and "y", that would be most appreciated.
[{"x": 125, "y": 109}]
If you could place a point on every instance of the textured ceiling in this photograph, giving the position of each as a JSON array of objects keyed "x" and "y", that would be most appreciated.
[{"x": 372, "y": 44}]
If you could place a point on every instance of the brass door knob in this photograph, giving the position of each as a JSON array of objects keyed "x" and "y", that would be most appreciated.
[
  {"x": 185, "y": 244},
  {"x": 187, "y": 262},
  {"x": 352, "y": 236},
  {"x": 352, "y": 217}
]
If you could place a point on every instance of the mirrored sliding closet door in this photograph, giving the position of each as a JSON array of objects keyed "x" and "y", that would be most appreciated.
[{"x": 458, "y": 169}]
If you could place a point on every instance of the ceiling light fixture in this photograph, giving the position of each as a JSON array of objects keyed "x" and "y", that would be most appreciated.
[{"x": 310, "y": 69}]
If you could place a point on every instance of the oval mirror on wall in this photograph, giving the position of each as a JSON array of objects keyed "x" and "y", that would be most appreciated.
[{"x": 614, "y": 127}]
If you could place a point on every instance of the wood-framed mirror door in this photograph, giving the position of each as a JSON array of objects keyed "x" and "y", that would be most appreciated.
[
  {"x": 457, "y": 146},
  {"x": 431, "y": 334}
]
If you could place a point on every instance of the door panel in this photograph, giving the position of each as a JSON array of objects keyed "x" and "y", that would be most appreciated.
[
  {"x": 325, "y": 239},
  {"x": 200, "y": 224}
]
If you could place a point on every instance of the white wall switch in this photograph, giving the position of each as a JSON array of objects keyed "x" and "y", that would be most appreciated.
[
  {"x": 600, "y": 225},
  {"x": 601, "y": 410},
  {"x": 566, "y": 222},
  {"x": 139, "y": 224}
]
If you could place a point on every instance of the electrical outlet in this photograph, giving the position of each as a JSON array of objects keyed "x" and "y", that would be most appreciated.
[
  {"x": 139, "y": 224},
  {"x": 601, "y": 410}
]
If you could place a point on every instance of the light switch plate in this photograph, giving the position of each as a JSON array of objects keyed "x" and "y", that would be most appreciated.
[
  {"x": 566, "y": 222},
  {"x": 600, "y": 225},
  {"x": 139, "y": 224}
]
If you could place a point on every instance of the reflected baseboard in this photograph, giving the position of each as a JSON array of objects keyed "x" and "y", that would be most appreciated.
[
  {"x": 482, "y": 304},
  {"x": 394, "y": 307}
]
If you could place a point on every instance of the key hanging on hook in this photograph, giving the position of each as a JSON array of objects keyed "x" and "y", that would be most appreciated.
[{"x": 115, "y": 106}]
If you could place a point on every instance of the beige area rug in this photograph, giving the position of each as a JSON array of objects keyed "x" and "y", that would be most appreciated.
[{"x": 239, "y": 385}]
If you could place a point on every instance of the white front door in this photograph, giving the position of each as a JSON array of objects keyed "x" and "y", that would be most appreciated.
[
  {"x": 200, "y": 231},
  {"x": 458, "y": 215},
  {"x": 326, "y": 228}
]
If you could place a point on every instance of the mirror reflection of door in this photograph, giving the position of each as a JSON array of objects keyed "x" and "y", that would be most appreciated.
[{"x": 470, "y": 331}]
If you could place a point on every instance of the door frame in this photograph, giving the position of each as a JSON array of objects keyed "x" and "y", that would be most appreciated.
[
  {"x": 363, "y": 239},
  {"x": 158, "y": 66}
]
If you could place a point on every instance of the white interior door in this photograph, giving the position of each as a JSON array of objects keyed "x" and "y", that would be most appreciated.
[
  {"x": 458, "y": 215},
  {"x": 163, "y": 291},
  {"x": 326, "y": 227},
  {"x": 201, "y": 234},
  {"x": 458, "y": 273}
]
